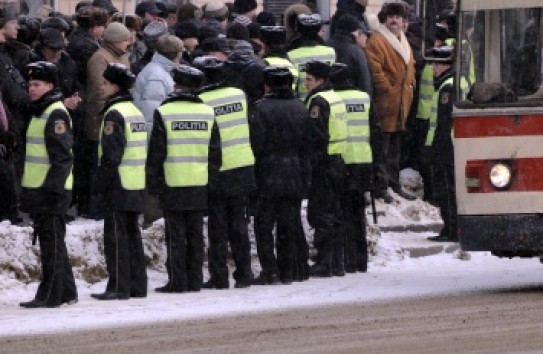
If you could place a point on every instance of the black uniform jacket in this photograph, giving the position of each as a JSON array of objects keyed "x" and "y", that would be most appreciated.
[
  {"x": 442, "y": 146},
  {"x": 279, "y": 134},
  {"x": 236, "y": 182},
  {"x": 171, "y": 198},
  {"x": 52, "y": 197},
  {"x": 108, "y": 180}
]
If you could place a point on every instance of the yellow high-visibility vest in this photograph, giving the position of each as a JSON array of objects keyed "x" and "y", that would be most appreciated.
[{"x": 302, "y": 55}]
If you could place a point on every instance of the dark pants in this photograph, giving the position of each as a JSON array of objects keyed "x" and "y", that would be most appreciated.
[
  {"x": 8, "y": 191},
  {"x": 301, "y": 249},
  {"x": 354, "y": 226},
  {"x": 324, "y": 208},
  {"x": 88, "y": 206},
  {"x": 227, "y": 222},
  {"x": 390, "y": 167},
  {"x": 282, "y": 213},
  {"x": 426, "y": 174},
  {"x": 185, "y": 249},
  {"x": 81, "y": 186},
  {"x": 124, "y": 255},
  {"x": 58, "y": 284},
  {"x": 445, "y": 196}
]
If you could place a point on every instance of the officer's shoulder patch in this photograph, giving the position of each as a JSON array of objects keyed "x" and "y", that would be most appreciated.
[
  {"x": 315, "y": 111},
  {"x": 60, "y": 127},
  {"x": 445, "y": 97},
  {"x": 109, "y": 127}
]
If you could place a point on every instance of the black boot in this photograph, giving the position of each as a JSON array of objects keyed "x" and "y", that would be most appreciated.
[{"x": 111, "y": 295}]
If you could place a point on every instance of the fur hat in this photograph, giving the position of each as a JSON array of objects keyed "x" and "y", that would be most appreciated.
[
  {"x": 105, "y": 4},
  {"x": 392, "y": 8},
  {"x": 273, "y": 34},
  {"x": 309, "y": 24},
  {"x": 116, "y": 32},
  {"x": 90, "y": 16},
  {"x": 185, "y": 30},
  {"x": 132, "y": 22},
  {"x": 120, "y": 75},
  {"x": 266, "y": 19},
  {"x": 340, "y": 74},
  {"x": 244, "y": 6},
  {"x": 275, "y": 76},
  {"x": 43, "y": 71},
  {"x": 7, "y": 13},
  {"x": 348, "y": 23},
  {"x": 443, "y": 54},
  {"x": 318, "y": 68},
  {"x": 187, "y": 76},
  {"x": 57, "y": 23},
  {"x": 215, "y": 44},
  {"x": 147, "y": 7}
]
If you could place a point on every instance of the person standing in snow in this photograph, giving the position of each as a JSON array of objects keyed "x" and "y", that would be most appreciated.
[
  {"x": 278, "y": 136},
  {"x": 47, "y": 184},
  {"x": 328, "y": 125},
  {"x": 177, "y": 171},
  {"x": 120, "y": 182},
  {"x": 231, "y": 177}
]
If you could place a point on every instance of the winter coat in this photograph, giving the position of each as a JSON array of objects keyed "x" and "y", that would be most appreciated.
[
  {"x": 350, "y": 53},
  {"x": 108, "y": 180},
  {"x": 52, "y": 197},
  {"x": 67, "y": 71},
  {"x": 81, "y": 47},
  {"x": 393, "y": 69},
  {"x": 442, "y": 146},
  {"x": 95, "y": 99},
  {"x": 171, "y": 198},
  {"x": 153, "y": 85},
  {"x": 279, "y": 140}
]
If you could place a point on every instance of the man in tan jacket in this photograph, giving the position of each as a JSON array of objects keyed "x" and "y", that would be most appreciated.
[
  {"x": 393, "y": 70},
  {"x": 116, "y": 39}
]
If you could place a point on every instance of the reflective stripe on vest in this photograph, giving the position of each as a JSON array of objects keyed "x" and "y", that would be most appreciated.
[
  {"x": 37, "y": 162},
  {"x": 433, "y": 115},
  {"x": 188, "y": 131},
  {"x": 357, "y": 104},
  {"x": 426, "y": 92},
  {"x": 230, "y": 107},
  {"x": 284, "y": 63},
  {"x": 302, "y": 55},
  {"x": 132, "y": 167},
  {"x": 337, "y": 122}
]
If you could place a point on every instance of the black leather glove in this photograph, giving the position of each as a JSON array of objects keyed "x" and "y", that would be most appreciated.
[{"x": 3, "y": 151}]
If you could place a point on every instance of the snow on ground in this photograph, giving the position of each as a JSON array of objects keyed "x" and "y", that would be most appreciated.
[{"x": 392, "y": 274}]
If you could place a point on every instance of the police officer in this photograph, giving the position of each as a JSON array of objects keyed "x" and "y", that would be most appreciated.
[
  {"x": 328, "y": 126},
  {"x": 439, "y": 141},
  {"x": 359, "y": 175},
  {"x": 307, "y": 45},
  {"x": 231, "y": 177},
  {"x": 275, "y": 38},
  {"x": 120, "y": 183},
  {"x": 47, "y": 184},
  {"x": 177, "y": 171},
  {"x": 278, "y": 136}
]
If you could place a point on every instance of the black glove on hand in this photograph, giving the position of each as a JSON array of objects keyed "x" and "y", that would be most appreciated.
[{"x": 3, "y": 151}]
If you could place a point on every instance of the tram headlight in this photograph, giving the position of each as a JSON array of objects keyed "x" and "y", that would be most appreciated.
[{"x": 500, "y": 175}]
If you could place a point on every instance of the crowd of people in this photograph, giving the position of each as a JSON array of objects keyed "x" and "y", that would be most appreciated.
[{"x": 186, "y": 112}]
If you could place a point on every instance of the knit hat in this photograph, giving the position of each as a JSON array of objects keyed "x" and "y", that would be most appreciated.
[
  {"x": 273, "y": 34},
  {"x": 169, "y": 46},
  {"x": 244, "y": 6},
  {"x": 116, "y": 32},
  {"x": 348, "y": 23},
  {"x": 185, "y": 30},
  {"x": 51, "y": 38},
  {"x": 120, "y": 75},
  {"x": 318, "y": 68},
  {"x": 215, "y": 8}
]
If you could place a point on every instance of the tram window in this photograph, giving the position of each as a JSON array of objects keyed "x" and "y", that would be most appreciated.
[{"x": 500, "y": 60}]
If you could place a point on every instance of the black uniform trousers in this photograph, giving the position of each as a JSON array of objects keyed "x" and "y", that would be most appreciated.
[
  {"x": 354, "y": 227},
  {"x": 185, "y": 249},
  {"x": 123, "y": 249},
  {"x": 58, "y": 284},
  {"x": 390, "y": 167},
  {"x": 282, "y": 213},
  {"x": 324, "y": 208},
  {"x": 8, "y": 190},
  {"x": 227, "y": 222},
  {"x": 301, "y": 249},
  {"x": 445, "y": 196}
]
